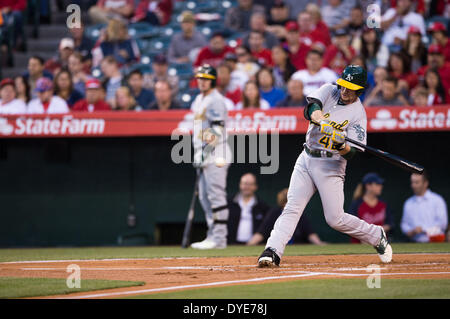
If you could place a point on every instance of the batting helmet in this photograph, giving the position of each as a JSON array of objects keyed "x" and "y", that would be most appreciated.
[
  {"x": 207, "y": 72},
  {"x": 354, "y": 78}
]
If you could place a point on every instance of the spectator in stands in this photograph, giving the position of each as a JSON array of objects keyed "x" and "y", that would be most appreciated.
[
  {"x": 223, "y": 84},
  {"x": 164, "y": 98},
  {"x": 436, "y": 59},
  {"x": 144, "y": 97},
  {"x": 76, "y": 70},
  {"x": 9, "y": 103},
  {"x": 251, "y": 98},
  {"x": 315, "y": 75},
  {"x": 399, "y": 66},
  {"x": 113, "y": 78},
  {"x": 258, "y": 49},
  {"x": 336, "y": 13},
  {"x": 313, "y": 35},
  {"x": 213, "y": 53},
  {"x": 425, "y": 213},
  {"x": 396, "y": 22},
  {"x": 283, "y": 68},
  {"x": 295, "y": 95},
  {"x": 95, "y": 98},
  {"x": 161, "y": 73},
  {"x": 22, "y": 89},
  {"x": 246, "y": 211},
  {"x": 439, "y": 36},
  {"x": 83, "y": 45},
  {"x": 297, "y": 49},
  {"x": 183, "y": 43},
  {"x": 12, "y": 14},
  {"x": 295, "y": 7},
  {"x": 105, "y": 10},
  {"x": 155, "y": 12},
  {"x": 46, "y": 102},
  {"x": 125, "y": 101},
  {"x": 35, "y": 71},
  {"x": 303, "y": 232},
  {"x": 419, "y": 96},
  {"x": 266, "y": 84},
  {"x": 415, "y": 49},
  {"x": 258, "y": 23},
  {"x": 339, "y": 54},
  {"x": 389, "y": 95},
  {"x": 115, "y": 41},
  {"x": 373, "y": 50},
  {"x": 238, "y": 78},
  {"x": 64, "y": 88},
  {"x": 237, "y": 18},
  {"x": 380, "y": 74},
  {"x": 320, "y": 31},
  {"x": 435, "y": 88},
  {"x": 65, "y": 49},
  {"x": 279, "y": 16},
  {"x": 367, "y": 205},
  {"x": 356, "y": 26},
  {"x": 245, "y": 62}
]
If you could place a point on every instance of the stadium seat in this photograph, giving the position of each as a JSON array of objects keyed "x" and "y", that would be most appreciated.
[
  {"x": 143, "y": 30},
  {"x": 93, "y": 31}
]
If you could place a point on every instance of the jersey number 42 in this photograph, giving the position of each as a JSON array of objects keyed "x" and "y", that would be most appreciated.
[{"x": 327, "y": 142}]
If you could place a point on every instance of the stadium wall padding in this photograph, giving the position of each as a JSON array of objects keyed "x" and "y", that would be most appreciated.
[{"x": 81, "y": 191}]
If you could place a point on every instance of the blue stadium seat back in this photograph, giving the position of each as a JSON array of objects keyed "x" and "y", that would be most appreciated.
[
  {"x": 169, "y": 30},
  {"x": 143, "y": 30},
  {"x": 93, "y": 32},
  {"x": 207, "y": 6},
  {"x": 160, "y": 44},
  {"x": 187, "y": 97},
  {"x": 144, "y": 68},
  {"x": 97, "y": 73},
  {"x": 183, "y": 85},
  {"x": 182, "y": 68}
]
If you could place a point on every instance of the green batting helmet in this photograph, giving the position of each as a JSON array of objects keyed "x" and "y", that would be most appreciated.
[
  {"x": 354, "y": 78},
  {"x": 206, "y": 71}
]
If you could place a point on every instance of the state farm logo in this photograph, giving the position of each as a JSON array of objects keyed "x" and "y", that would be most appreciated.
[
  {"x": 5, "y": 127},
  {"x": 252, "y": 122},
  {"x": 67, "y": 125},
  {"x": 383, "y": 119}
]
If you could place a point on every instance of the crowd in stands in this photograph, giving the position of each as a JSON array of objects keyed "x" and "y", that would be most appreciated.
[{"x": 268, "y": 53}]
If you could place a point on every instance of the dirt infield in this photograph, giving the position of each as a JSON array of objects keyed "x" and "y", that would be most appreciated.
[{"x": 172, "y": 274}]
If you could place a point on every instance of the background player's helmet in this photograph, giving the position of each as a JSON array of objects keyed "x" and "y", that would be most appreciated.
[
  {"x": 354, "y": 78},
  {"x": 206, "y": 71}
]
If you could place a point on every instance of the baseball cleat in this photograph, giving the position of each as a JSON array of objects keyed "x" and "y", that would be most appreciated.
[
  {"x": 268, "y": 258},
  {"x": 207, "y": 244},
  {"x": 384, "y": 249}
]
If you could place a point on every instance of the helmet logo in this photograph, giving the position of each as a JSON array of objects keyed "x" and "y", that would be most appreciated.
[{"x": 349, "y": 77}]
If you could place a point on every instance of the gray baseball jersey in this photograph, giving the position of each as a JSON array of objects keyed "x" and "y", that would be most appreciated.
[
  {"x": 350, "y": 118},
  {"x": 208, "y": 110},
  {"x": 325, "y": 175}
]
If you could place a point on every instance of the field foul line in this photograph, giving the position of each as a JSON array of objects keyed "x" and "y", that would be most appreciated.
[{"x": 303, "y": 274}]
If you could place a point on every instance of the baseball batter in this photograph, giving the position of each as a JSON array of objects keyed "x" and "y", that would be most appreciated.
[
  {"x": 334, "y": 111},
  {"x": 212, "y": 155}
]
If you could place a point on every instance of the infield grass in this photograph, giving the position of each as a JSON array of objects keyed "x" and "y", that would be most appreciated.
[
  {"x": 84, "y": 253},
  {"x": 320, "y": 289},
  {"x": 12, "y": 287}
]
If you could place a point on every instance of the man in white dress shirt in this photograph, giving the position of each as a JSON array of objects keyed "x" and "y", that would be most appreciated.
[
  {"x": 425, "y": 213},
  {"x": 46, "y": 102},
  {"x": 315, "y": 75},
  {"x": 8, "y": 102}
]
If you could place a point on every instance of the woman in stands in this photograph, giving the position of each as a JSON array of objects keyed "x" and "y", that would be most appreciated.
[
  {"x": 64, "y": 88},
  {"x": 251, "y": 98},
  {"x": 435, "y": 88},
  {"x": 125, "y": 100}
]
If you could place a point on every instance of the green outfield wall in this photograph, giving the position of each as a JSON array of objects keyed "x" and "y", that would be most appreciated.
[{"x": 79, "y": 192}]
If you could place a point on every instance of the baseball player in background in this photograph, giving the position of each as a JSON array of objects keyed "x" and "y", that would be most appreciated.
[
  {"x": 212, "y": 156},
  {"x": 334, "y": 111}
]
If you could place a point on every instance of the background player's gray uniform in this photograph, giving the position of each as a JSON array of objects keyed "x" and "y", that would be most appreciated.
[
  {"x": 208, "y": 110},
  {"x": 325, "y": 174}
]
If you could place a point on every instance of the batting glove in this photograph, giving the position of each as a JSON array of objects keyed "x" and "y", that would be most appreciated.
[{"x": 326, "y": 128}]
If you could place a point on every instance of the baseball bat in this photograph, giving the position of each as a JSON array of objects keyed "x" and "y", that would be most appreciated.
[
  {"x": 388, "y": 157},
  {"x": 190, "y": 215}
]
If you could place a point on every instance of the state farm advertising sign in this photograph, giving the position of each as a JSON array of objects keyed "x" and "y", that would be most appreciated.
[{"x": 165, "y": 123}]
